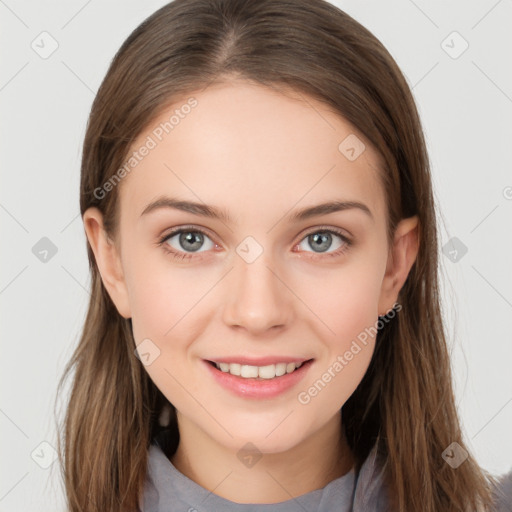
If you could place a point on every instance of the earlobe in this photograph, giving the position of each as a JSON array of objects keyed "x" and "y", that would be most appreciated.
[
  {"x": 107, "y": 260},
  {"x": 402, "y": 256}
]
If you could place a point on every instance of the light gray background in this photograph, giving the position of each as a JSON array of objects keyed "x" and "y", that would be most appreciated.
[{"x": 465, "y": 104}]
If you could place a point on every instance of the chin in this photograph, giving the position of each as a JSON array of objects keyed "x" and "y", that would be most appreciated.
[{"x": 266, "y": 437}]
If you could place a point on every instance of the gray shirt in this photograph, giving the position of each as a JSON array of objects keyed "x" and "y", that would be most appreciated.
[{"x": 168, "y": 490}]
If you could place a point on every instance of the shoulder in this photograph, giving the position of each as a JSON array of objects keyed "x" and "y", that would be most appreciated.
[
  {"x": 371, "y": 492},
  {"x": 503, "y": 493}
]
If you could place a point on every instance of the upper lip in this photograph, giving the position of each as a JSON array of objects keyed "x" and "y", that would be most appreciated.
[{"x": 258, "y": 361}]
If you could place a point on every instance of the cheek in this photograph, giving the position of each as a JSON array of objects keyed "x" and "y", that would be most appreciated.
[
  {"x": 339, "y": 370},
  {"x": 346, "y": 299},
  {"x": 347, "y": 305},
  {"x": 154, "y": 304},
  {"x": 163, "y": 304},
  {"x": 162, "y": 297}
]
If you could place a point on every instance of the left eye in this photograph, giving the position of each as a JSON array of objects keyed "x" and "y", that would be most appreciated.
[{"x": 321, "y": 240}]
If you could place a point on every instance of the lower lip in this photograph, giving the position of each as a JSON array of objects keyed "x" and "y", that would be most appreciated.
[{"x": 258, "y": 388}]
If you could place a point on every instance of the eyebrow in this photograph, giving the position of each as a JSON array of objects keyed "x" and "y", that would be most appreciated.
[{"x": 213, "y": 212}]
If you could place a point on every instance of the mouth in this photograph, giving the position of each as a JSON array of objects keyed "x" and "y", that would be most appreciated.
[
  {"x": 259, "y": 373},
  {"x": 258, "y": 382}
]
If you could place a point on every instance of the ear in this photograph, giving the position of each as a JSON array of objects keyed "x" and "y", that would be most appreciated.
[
  {"x": 401, "y": 257},
  {"x": 107, "y": 259}
]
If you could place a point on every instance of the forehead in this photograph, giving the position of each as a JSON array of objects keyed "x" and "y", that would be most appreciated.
[{"x": 250, "y": 148}]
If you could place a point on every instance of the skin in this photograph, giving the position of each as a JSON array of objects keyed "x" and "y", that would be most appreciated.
[{"x": 260, "y": 154}]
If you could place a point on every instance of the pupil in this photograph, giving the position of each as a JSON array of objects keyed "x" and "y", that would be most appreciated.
[
  {"x": 191, "y": 238},
  {"x": 324, "y": 239}
]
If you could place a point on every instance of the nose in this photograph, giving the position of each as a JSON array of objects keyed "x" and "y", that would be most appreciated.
[{"x": 257, "y": 299}]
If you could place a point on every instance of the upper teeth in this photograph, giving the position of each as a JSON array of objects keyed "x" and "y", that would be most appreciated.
[{"x": 263, "y": 372}]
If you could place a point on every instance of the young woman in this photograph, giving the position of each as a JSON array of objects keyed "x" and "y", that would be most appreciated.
[{"x": 264, "y": 330}]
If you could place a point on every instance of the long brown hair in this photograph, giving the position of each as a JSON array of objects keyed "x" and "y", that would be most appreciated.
[{"x": 405, "y": 402}]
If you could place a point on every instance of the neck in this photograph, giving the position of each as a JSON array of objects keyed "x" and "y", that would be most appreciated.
[{"x": 275, "y": 477}]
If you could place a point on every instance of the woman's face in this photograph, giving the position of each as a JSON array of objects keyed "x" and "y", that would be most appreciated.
[{"x": 259, "y": 279}]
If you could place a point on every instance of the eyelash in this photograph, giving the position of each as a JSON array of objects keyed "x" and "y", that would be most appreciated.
[{"x": 347, "y": 243}]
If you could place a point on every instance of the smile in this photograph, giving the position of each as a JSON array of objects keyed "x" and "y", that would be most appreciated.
[
  {"x": 262, "y": 382},
  {"x": 246, "y": 371}
]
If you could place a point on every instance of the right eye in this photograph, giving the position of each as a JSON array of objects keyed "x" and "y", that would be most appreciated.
[{"x": 186, "y": 239}]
